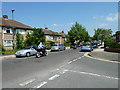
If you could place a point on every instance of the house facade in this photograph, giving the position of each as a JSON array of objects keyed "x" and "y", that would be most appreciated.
[
  {"x": 54, "y": 36},
  {"x": 8, "y": 30}
]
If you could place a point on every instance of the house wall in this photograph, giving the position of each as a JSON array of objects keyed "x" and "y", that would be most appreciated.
[
  {"x": 0, "y": 35},
  {"x": 9, "y": 36}
]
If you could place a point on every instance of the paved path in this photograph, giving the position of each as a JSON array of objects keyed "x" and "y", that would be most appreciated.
[{"x": 100, "y": 53}]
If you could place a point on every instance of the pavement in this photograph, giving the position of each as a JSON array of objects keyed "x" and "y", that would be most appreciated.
[{"x": 101, "y": 54}]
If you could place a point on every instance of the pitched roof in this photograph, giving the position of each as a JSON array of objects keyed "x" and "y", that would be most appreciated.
[
  {"x": 63, "y": 34},
  {"x": 13, "y": 23},
  {"x": 50, "y": 32}
]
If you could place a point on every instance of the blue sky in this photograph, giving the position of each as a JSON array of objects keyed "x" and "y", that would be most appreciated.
[{"x": 58, "y": 16}]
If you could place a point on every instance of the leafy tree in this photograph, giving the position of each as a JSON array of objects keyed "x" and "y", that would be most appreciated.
[
  {"x": 78, "y": 33},
  {"x": 102, "y": 34},
  {"x": 35, "y": 38},
  {"x": 19, "y": 41}
]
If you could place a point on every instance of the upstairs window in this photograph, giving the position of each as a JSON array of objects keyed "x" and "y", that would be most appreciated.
[{"x": 8, "y": 30}]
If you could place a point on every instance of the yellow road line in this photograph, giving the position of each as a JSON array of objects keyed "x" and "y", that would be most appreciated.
[{"x": 86, "y": 54}]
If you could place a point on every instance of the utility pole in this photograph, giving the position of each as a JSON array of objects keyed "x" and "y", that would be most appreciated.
[{"x": 13, "y": 29}]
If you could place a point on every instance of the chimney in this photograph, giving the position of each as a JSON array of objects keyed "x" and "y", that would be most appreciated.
[
  {"x": 46, "y": 28},
  {"x": 62, "y": 31},
  {"x": 5, "y": 16}
]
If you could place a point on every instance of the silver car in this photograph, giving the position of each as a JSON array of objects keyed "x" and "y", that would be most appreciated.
[
  {"x": 27, "y": 51},
  {"x": 57, "y": 47}
]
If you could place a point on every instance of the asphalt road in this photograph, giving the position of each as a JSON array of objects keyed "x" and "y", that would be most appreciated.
[{"x": 64, "y": 69}]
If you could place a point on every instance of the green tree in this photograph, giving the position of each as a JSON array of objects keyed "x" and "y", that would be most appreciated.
[
  {"x": 78, "y": 33},
  {"x": 19, "y": 41},
  {"x": 35, "y": 38},
  {"x": 102, "y": 34}
]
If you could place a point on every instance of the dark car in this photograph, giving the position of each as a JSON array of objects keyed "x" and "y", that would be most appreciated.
[
  {"x": 94, "y": 45},
  {"x": 74, "y": 46}
]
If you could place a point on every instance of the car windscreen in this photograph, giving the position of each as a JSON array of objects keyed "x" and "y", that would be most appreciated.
[
  {"x": 27, "y": 47},
  {"x": 93, "y": 43},
  {"x": 86, "y": 44}
]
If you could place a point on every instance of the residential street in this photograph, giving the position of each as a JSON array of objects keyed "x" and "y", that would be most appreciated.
[{"x": 64, "y": 69}]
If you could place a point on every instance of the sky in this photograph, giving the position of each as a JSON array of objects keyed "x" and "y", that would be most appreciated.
[{"x": 60, "y": 16}]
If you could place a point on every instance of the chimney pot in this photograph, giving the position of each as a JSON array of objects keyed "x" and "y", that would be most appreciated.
[{"x": 5, "y": 16}]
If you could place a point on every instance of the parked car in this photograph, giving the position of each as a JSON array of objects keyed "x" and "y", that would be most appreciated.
[
  {"x": 94, "y": 45},
  {"x": 28, "y": 51},
  {"x": 57, "y": 47},
  {"x": 74, "y": 46},
  {"x": 86, "y": 47}
]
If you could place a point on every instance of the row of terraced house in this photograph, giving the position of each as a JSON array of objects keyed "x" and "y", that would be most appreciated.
[{"x": 7, "y": 37}]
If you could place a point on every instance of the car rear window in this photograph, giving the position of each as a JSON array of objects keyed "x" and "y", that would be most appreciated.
[{"x": 86, "y": 44}]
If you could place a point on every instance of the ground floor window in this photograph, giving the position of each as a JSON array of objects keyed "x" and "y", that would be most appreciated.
[{"x": 8, "y": 42}]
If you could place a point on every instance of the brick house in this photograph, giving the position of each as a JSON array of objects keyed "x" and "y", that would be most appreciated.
[
  {"x": 54, "y": 36},
  {"x": 7, "y": 27}
]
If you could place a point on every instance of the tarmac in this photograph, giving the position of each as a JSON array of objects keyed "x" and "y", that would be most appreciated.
[
  {"x": 97, "y": 53},
  {"x": 13, "y": 56}
]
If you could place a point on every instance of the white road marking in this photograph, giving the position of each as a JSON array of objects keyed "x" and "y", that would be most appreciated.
[
  {"x": 75, "y": 59},
  {"x": 82, "y": 56},
  {"x": 69, "y": 62},
  {"x": 27, "y": 82},
  {"x": 57, "y": 69},
  {"x": 93, "y": 74},
  {"x": 53, "y": 77},
  {"x": 79, "y": 58},
  {"x": 41, "y": 84}
]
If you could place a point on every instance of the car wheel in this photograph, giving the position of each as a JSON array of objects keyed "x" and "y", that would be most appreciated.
[
  {"x": 28, "y": 54},
  {"x": 38, "y": 55}
]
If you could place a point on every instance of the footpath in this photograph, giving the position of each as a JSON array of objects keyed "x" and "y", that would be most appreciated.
[
  {"x": 2, "y": 57},
  {"x": 101, "y": 54}
]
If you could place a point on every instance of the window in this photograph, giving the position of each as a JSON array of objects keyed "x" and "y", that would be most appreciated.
[
  {"x": 21, "y": 31},
  {"x": 8, "y": 42},
  {"x": 8, "y": 30}
]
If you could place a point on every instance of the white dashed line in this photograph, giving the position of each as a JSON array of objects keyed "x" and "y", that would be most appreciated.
[
  {"x": 41, "y": 84},
  {"x": 27, "y": 82},
  {"x": 93, "y": 74},
  {"x": 69, "y": 62},
  {"x": 75, "y": 59},
  {"x": 79, "y": 58},
  {"x": 53, "y": 77}
]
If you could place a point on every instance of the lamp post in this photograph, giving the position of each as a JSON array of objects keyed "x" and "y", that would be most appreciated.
[
  {"x": 13, "y": 29},
  {"x": 12, "y": 14}
]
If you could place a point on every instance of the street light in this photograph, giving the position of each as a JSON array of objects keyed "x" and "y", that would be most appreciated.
[
  {"x": 12, "y": 14},
  {"x": 13, "y": 29}
]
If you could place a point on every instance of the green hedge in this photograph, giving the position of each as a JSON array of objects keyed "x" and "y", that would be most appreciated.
[
  {"x": 49, "y": 43},
  {"x": 109, "y": 43}
]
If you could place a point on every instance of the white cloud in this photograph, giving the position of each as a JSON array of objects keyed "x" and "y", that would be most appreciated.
[
  {"x": 103, "y": 25},
  {"x": 54, "y": 25},
  {"x": 112, "y": 17}
]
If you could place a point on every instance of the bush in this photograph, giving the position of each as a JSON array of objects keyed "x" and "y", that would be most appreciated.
[
  {"x": 109, "y": 43},
  {"x": 49, "y": 43}
]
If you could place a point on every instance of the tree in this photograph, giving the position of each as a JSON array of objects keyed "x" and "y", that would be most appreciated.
[
  {"x": 102, "y": 34},
  {"x": 35, "y": 38},
  {"x": 78, "y": 33},
  {"x": 19, "y": 41}
]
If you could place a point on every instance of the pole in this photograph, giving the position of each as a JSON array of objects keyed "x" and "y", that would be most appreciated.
[{"x": 13, "y": 30}]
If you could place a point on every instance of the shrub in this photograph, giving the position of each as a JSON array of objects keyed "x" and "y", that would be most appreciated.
[
  {"x": 49, "y": 43},
  {"x": 109, "y": 43}
]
